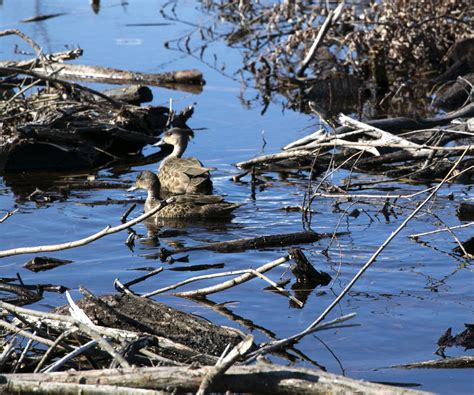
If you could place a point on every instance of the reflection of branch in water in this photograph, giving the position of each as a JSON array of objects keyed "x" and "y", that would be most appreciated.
[
  {"x": 202, "y": 30},
  {"x": 221, "y": 309},
  {"x": 432, "y": 283},
  {"x": 435, "y": 248}
]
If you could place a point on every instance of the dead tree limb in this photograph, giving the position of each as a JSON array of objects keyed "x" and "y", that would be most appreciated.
[
  {"x": 279, "y": 343},
  {"x": 257, "y": 379},
  {"x": 77, "y": 243},
  {"x": 280, "y": 240},
  {"x": 117, "y": 76},
  {"x": 235, "y": 281}
]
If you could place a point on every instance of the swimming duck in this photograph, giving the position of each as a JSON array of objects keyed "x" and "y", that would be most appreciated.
[
  {"x": 185, "y": 206},
  {"x": 182, "y": 175}
]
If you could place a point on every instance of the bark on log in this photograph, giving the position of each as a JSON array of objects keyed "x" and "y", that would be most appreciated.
[
  {"x": 272, "y": 379},
  {"x": 117, "y": 76},
  {"x": 133, "y": 94},
  {"x": 267, "y": 241},
  {"x": 464, "y": 362},
  {"x": 137, "y": 314}
]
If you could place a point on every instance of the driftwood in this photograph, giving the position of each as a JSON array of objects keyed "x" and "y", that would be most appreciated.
[
  {"x": 133, "y": 94},
  {"x": 464, "y": 362},
  {"x": 268, "y": 241},
  {"x": 256, "y": 379},
  {"x": 135, "y": 314},
  {"x": 77, "y": 243},
  {"x": 116, "y": 76},
  {"x": 92, "y": 73},
  {"x": 66, "y": 125},
  {"x": 424, "y": 152}
]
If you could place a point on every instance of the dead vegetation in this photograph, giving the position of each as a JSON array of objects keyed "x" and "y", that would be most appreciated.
[
  {"x": 50, "y": 123},
  {"x": 47, "y": 118},
  {"x": 395, "y": 50}
]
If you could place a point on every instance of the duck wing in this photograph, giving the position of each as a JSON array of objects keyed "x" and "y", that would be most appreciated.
[
  {"x": 185, "y": 175},
  {"x": 198, "y": 199}
]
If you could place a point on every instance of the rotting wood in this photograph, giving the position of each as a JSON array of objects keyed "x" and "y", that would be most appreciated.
[
  {"x": 273, "y": 379},
  {"x": 115, "y": 76},
  {"x": 132, "y": 94},
  {"x": 70, "y": 126},
  {"x": 462, "y": 362},
  {"x": 137, "y": 314},
  {"x": 268, "y": 241}
]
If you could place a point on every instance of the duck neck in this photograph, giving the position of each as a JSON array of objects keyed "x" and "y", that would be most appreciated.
[
  {"x": 179, "y": 149},
  {"x": 153, "y": 196}
]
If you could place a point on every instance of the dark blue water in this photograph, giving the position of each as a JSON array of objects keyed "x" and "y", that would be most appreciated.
[{"x": 400, "y": 315}]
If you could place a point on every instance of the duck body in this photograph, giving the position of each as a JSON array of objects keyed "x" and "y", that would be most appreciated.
[
  {"x": 179, "y": 175},
  {"x": 185, "y": 206}
]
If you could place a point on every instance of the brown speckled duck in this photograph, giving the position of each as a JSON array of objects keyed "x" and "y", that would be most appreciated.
[
  {"x": 185, "y": 206},
  {"x": 182, "y": 175}
]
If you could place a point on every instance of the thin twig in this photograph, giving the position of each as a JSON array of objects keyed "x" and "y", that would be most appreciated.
[
  {"x": 314, "y": 324},
  {"x": 8, "y": 215},
  {"x": 432, "y": 232},
  {"x": 386, "y": 243},
  {"x": 235, "y": 281}
]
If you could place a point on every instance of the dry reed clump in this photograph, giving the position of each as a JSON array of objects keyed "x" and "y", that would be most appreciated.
[{"x": 402, "y": 36}]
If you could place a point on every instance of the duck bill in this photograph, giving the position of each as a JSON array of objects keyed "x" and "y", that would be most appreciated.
[
  {"x": 131, "y": 189},
  {"x": 160, "y": 143}
]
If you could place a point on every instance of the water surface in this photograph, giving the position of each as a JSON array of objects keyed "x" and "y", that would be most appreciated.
[{"x": 411, "y": 295}]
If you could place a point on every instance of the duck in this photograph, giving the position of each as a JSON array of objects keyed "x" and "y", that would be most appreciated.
[
  {"x": 180, "y": 175},
  {"x": 185, "y": 206}
]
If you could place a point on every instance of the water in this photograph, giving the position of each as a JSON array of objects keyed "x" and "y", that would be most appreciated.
[{"x": 411, "y": 295}]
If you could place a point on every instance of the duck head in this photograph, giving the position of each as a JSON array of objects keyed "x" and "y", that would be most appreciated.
[
  {"x": 178, "y": 138},
  {"x": 148, "y": 181}
]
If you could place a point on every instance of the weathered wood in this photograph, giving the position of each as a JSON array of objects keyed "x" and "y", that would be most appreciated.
[
  {"x": 38, "y": 387},
  {"x": 464, "y": 362},
  {"x": 267, "y": 379},
  {"x": 454, "y": 95},
  {"x": 117, "y": 76},
  {"x": 137, "y": 314},
  {"x": 132, "y": 94},
  {"x": 280, "y": 240}
]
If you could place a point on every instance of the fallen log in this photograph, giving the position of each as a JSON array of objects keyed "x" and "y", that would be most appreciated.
[
  {"x": 463, "y": 362},
  {"x": 133, "y": 94},
  {"x": 132, "y": 313},
  {"x": 280, "y": 240},
  {"x": 116, "y": 76},
  {"x": 273, "y": 379},
  {"x": 75, "y": 130}
]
